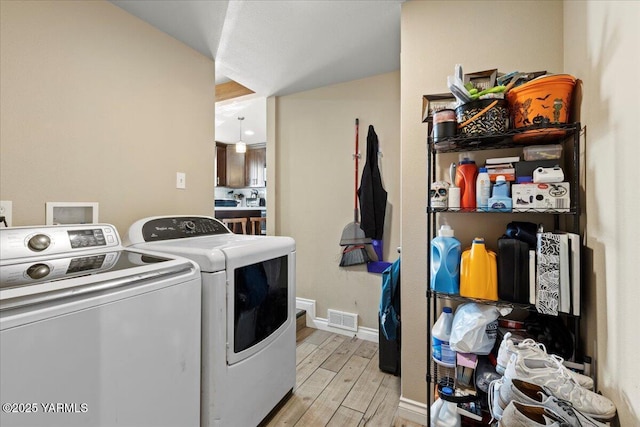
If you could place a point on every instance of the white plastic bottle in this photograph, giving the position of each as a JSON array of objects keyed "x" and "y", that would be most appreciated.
[
  {"x": 436, "y": 407},
  {"x": 448, "y": 416},
  {"x": 483, "y": 190},
  {"x": 440, "y": 336}
]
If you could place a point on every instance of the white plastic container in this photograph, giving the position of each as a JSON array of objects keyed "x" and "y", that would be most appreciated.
[
  {"x": 500, "y": 201},
  {"x": 440, "y": 337},
  {"x": 445, "y": 414},
  {"x": 483, "y": 190},
  {"x": 542, "y": 152},
  {"x": 445, "y": 262}
]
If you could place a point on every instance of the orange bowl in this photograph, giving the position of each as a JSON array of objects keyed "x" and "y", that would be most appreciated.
[{"x": 542, "y": 101}]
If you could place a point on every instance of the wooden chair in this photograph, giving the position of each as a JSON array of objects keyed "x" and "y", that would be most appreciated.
[
  {"x": 232, "y": 222},
  {"x": 256, "y": 224}
]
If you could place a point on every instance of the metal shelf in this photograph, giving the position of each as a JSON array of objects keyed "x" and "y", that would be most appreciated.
[
  {"x": 460, "y": 298},
  {"x": 512, "y": 138},
  {"x": 566, "y": 134},
  {"x": 571, "y": 211}
]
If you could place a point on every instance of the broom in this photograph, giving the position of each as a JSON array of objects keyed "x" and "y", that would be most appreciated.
[{"x": 353, "y": 237}]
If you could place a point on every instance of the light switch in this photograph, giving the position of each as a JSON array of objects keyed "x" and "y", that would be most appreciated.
[{"x": 181, "y": 180}]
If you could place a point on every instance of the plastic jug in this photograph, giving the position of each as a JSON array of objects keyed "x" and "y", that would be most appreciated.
[
  {"x": 444, "y": 414},
  {"x": 483, "y": 189},
  {"x": 440, "y": 336},
  {"x": 445, "y": 262},
  {"x": 500, "y": 201},
  {"x": 466, "y": 174},
  {"x": 479, "y": 272}
]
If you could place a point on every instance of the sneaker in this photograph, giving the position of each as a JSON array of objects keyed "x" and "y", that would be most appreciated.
[
  {"x": 519, "y": 415},
  {"x": 493, "y": 396},
  {"x": 522, "y": 415},
  {"x": 531, "y": 394},
  {"x": 555, "y": 378},
  {"x": 533, "y": 351}
]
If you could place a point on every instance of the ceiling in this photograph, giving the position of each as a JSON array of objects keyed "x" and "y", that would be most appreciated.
[{"x": 279, "y": 47}]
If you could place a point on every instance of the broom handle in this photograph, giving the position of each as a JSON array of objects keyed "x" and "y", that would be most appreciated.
[{"x": 355, "y": 193}]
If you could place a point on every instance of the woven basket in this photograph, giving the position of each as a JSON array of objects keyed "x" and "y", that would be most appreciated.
[{"x": 483, "y": 117}]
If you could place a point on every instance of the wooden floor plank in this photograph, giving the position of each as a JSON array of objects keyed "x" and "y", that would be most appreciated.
[
  {"x": 337, "y": 360},
  {"x": 367, "y": 349},
  {"x": 318, "y": 336},
  {"x": 303, "y": 334},
  {"x": 345, "y": 417},
  {"x": 316, "y": 358},
  {"x": 303, "y": 350},
  {"x": 302, "y": 398},
  {"x": 339, "y": 397},
  {"x": 384, "y": 405},
  {"x": 400, "y": 422},
  {"x": 323, "y": 408},
  {"x": 365, "y": 388}
]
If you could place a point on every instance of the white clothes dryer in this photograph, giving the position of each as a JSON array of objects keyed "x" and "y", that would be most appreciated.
[{"x": 248, "y": 313}]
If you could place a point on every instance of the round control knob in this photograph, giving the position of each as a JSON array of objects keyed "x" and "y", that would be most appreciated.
[
  {"x": 39, "y": 242},
  {"x": 38, "y": 271},
  {"x": 189, "y": 225}
]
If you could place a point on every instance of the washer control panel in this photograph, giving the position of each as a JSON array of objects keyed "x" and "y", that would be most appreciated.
[
  {"x": 26, "y": 242},
  {"x": 169, "y": 228}
]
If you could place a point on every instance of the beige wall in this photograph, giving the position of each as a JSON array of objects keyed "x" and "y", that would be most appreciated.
[
  {"x": 315, "y": 183},
  {"x": 97, "y": 106},
  {"x": 601, "y": 46},
  {"x": 523, "y": 35}
]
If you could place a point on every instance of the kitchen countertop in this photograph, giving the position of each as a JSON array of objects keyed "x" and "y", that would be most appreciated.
[{"x": 241, "y": 208}]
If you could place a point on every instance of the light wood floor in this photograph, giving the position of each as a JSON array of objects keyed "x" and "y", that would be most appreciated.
[{"x": 338, "y": 383}]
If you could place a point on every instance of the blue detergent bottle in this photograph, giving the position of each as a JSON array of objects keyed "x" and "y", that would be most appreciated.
[
  {"x": 445, "y": 262},
  {"x": 500, "y": 201}
]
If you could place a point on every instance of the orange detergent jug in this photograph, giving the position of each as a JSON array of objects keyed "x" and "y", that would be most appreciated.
[
  {"x": 466, "y": 174},
  {"x": 479, "y": 272}
]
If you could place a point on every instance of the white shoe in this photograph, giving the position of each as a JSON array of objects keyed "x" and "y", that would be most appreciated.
[
  {"x": 532, "y": 394},
  {"x": 534, "y": 351},
  {"x": 493, "y": 396},
  {"x": 522, "y": 415},
  {"x": 554, "y": 378},
  {"x": 519, "y": 415}
]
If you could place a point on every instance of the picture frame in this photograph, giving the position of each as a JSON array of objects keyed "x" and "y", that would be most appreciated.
[
  {"x": 436, "y": 102},
  {"x": 482, "y": 80}
]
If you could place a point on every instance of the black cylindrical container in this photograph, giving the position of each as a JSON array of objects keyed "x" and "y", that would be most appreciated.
[{"x": 444, "y": 125}]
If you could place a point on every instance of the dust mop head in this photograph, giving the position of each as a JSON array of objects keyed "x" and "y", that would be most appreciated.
[{"x": 354, "y": 255}]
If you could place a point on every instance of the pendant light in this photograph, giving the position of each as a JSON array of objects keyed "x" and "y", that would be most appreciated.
[{"x": 241, "y": 147}]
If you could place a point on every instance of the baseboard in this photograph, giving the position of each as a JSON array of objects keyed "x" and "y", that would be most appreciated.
[
  {"x": 363, "y": 333},
  {"x": 309, "y": 306},
  {"x": 413, "y": 411}
]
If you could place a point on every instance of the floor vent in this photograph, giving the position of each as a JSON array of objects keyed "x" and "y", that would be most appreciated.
[{"x": 343, "y": 320}]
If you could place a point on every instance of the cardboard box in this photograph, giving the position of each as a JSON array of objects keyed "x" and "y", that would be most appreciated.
[{"x": 547, "y": 196}]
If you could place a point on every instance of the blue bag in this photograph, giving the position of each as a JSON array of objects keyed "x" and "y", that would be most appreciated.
[{"x": 390, "y": 301}]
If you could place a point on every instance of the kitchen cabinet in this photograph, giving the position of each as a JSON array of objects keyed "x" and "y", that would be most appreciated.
[
  {"x": 566, "y": 218},
  {"x": 221, "y": 164},
  {"x": 235, "y": 167},
  {"x": 255, "y": 164},
  {"x": 237, "y": 170}
]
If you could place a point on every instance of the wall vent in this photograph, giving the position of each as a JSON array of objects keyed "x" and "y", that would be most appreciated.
[{"x": 343, "y": 320}]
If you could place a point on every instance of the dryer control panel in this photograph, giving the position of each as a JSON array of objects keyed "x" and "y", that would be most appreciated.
[{"x": 175, "y": 227}]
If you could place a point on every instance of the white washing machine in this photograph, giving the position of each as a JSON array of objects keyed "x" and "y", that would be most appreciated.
[
  {"x": 248, "y": 313},
  {"x": 93, "y": 334}
]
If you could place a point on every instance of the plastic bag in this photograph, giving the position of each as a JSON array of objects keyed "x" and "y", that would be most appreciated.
[{"x": 475, "y": 328}]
